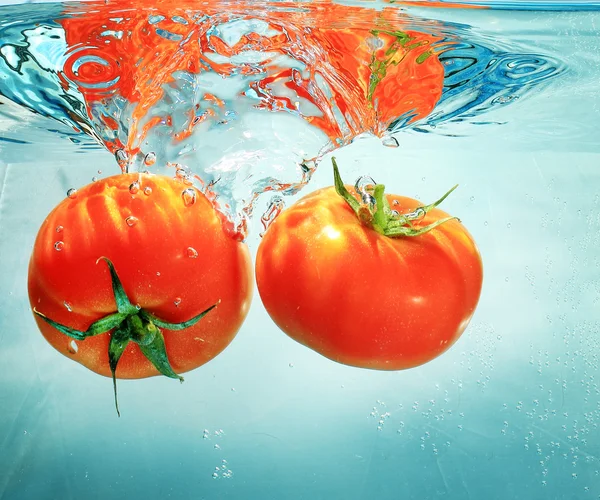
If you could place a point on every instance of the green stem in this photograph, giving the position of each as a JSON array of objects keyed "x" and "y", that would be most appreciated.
[{"x": 382, "y": 218}]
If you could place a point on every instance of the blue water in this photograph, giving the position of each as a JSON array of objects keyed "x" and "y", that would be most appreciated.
[{"x": 510, "y": 412}]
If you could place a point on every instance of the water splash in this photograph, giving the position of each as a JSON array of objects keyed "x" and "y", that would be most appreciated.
[{"x": 176, "y": 84}]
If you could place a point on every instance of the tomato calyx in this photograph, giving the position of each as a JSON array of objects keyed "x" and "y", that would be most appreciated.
[
  {"x": 130, "y": 323},
  {"x": 377, "y": 214}
]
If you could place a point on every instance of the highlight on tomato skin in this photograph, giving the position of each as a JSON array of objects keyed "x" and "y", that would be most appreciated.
[
  {"x": 335, "y": 283},
  {"x": 147, "y": 256}
]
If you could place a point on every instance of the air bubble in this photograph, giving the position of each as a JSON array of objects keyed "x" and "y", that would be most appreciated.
[
  {"x": 73, "y": 347},
  {"x": 390, "y": 142},
  {"x": 59, "y": 229},
  {"x": 188, "y": 196},
  {"x": 134, "y": 187},
  {"x": 147, "y": 190},
  {"x": 72, "y": 193},
  {"x": 192, "y": 253},
  {"x": 94, "y": 179},
  {"x": 122, "y": 158},
  {"x": 68, "y": 306},
  {"x": 58, "y": 246},
  {"x": 364, "y": 185},
  {"x": 131, "y": 221},
  {"x": 177, "y": 301},
  {"x": 150, "y": 159}
]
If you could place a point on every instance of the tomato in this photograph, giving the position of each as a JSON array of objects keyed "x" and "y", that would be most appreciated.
[
  {"x": 152, "y": 250},
  {"x": 332, "y": 281}
]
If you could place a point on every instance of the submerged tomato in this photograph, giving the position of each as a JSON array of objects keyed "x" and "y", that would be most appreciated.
[
  {"x": 361, "y": 298},
  {"x": 173, "y": 259}
]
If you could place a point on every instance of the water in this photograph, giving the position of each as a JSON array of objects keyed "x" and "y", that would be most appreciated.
[{"x": 506, "y": 106}]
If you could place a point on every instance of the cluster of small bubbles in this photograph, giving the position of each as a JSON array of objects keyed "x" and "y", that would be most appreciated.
[
  {"x": 68, "y": 306},
  {"x": 205, "y": 434},
  {"x": 134, "y": 187},
  {"x": 150, "y": 159},
  {"x": 131, "y": 221},
  {"x": 189, "y": 197},
  {"x": 192, "y": 253},
  {"x": 147, "y": 190},
  {"x": 380, "y": 414},
  {"x": 222, "y": 471},
  {"x": 177, "y": 301},
  {"x": 58, "y": 246},
  {"x": 72, "y": 193},
  {"x": 59, "y": 229}
]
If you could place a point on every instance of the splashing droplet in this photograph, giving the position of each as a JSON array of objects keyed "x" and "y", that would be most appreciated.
[
  {"x": 58, "y": 246},
  {"x": 189, "y": 197},
  {"x": 72, "y": 193},
  {"x": 134, "y": 187},
  {"x": 122, "y": 159},
  {"x": 275, "y": 207},
  {"x": 147, "y": 190},
  {"x": 68, "y": 306},
  {"x": 192, "y": 253},
  {"x": 390, "y": 142},
  {"x": 131, "y": 221},
  {"x": 59, "y": 229},
  {"x": 150, "y": 159},
  {"x": 177, "y": 301}
]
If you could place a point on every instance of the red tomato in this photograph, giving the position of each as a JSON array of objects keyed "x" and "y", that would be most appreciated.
[
  {"x": 365, "y": 299},
  {"x": 173, "y": 259}
]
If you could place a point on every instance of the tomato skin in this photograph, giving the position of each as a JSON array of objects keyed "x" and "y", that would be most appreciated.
[
  {"x": 361, "y": 298},
  {"x": 152, "y": 257}
]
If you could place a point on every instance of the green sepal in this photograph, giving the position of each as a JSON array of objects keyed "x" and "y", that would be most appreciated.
[
  {"x": 103, "y": 325},
  {"x": 175, "y": 326},
  {"x": 121, "y": 299},
  {"x": 118, "y": 342},
  {"x": 340, "y": 188},
  {"x": 157, "y": 355},
  {"x": 141, "y": 332}
]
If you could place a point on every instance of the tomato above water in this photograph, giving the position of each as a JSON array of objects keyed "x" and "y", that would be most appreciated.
[
  {"x": 168, "y": 250},
  {"x": 362, "y": 298}
]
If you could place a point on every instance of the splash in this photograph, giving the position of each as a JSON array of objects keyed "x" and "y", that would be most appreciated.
[{"x": 228, "y": 95}]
